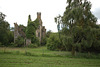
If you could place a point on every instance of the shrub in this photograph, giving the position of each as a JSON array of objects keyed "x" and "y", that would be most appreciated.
[
  {"x": 54, "y": 43},
  {"x": 44, "y": 41},
  {"x": 12, "y": 44},
  {"x": 19, "y": 41},
  {"x": 0, "y": 44}
]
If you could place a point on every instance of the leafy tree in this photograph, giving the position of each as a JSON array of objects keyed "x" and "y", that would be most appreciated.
[
  {"x": 58, "y": 21},
  {"x": 48, "y": 33},
  {"x": 10, "y": 36},
  {"x": 79, "y": 21},
  {"x": 4, "y": 30}
]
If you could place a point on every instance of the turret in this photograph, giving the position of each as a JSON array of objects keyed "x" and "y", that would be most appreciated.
[{"x": 39, "y": 15}]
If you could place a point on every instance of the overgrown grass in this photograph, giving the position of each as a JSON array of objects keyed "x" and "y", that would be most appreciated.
[{"x": 41, "y": 57}]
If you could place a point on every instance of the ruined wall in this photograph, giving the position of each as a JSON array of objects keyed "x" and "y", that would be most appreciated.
[
  {"x": 41, "y": 31},
  {"x": 18, "y": 31},
  {"x": 16, "y": 34},
  {"x": 28, "y": 42}
]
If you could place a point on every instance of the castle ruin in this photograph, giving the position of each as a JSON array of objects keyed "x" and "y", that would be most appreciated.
[{"x": 40, "y": 32}]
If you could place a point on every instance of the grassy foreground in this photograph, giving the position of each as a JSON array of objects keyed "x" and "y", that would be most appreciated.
[{"x": 41, "y": 57}]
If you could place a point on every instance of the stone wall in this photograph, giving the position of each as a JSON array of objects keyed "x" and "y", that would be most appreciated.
[
  {"x": 18, "y": 31},
  {"x": 41, "y": 31},
  {"x": 28, "y": 42},
  {"x": 16, "y": 34}
]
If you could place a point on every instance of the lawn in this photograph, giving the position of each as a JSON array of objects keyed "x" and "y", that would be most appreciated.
[{"x": 41, "y": 57}]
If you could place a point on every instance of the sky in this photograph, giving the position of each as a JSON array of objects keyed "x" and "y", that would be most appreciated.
[{"x": 17, "y": 11}]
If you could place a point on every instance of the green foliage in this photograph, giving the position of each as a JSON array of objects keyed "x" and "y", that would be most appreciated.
[
  {"x": 54, "y": 43},
  {"x": 12, "y": 44},
  {"x": 19, "y": 41},
  {"x": 78, "y": 13},
  {"x": 48, "y": 33},
  {"x": 79, "y": 27},
  {"x": 67, "y": 42},
  {"x": 31, "y": 30},
  {"x": 23, "y": 28},
  {"x": 83, "y": 39},
  {"x": 1, "y": 44},
  {"x": 10, "y": 37},
  {"x": 44, "y": 41},
  {"x": 6, "y": 36}
]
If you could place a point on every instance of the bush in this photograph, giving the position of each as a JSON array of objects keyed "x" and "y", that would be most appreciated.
[
  {"x": 19, "y": 41},
  {"x": 54, "y": 43},
  {"x": 44, "y": 41},
  {"x": 12, "y": 44},
  {"x": 0, "y": 44}
]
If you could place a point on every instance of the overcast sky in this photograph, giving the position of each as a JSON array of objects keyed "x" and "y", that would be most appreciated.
[{"x": 18, "y": 11}]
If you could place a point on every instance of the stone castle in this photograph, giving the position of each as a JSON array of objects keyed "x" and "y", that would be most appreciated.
[{"x": 40, "y": 32}]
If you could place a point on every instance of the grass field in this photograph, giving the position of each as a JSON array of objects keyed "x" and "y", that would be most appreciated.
[{"x": 41, "y": 57}]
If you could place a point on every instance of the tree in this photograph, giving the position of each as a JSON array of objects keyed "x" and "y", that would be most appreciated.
[
  {"x": 48, "y": 33},
  {"x": 4, "y": 30},
  {"x": 78, "y": 13},
  {"x": 79, "y": 20},
  {"x": 58, "y": 21}
]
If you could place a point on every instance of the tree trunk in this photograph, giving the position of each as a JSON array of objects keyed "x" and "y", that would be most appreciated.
[{"x": 73, "y": 51}]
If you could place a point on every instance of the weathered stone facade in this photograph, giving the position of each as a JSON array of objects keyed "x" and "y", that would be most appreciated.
[
  {"x": 16, "y": 34},
  {"x": 28, "y": 42},
  {"x": 40, "y": 32},
  {"x": 18, "y": 31}
]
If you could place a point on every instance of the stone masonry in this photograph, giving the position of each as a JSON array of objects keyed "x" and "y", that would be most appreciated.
[{"x": 41, "y": 31}]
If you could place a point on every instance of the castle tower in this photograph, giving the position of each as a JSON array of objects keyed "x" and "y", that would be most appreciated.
[
  {"x": 16, "y": 34},
  {"x": 39, "y": 15}
]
